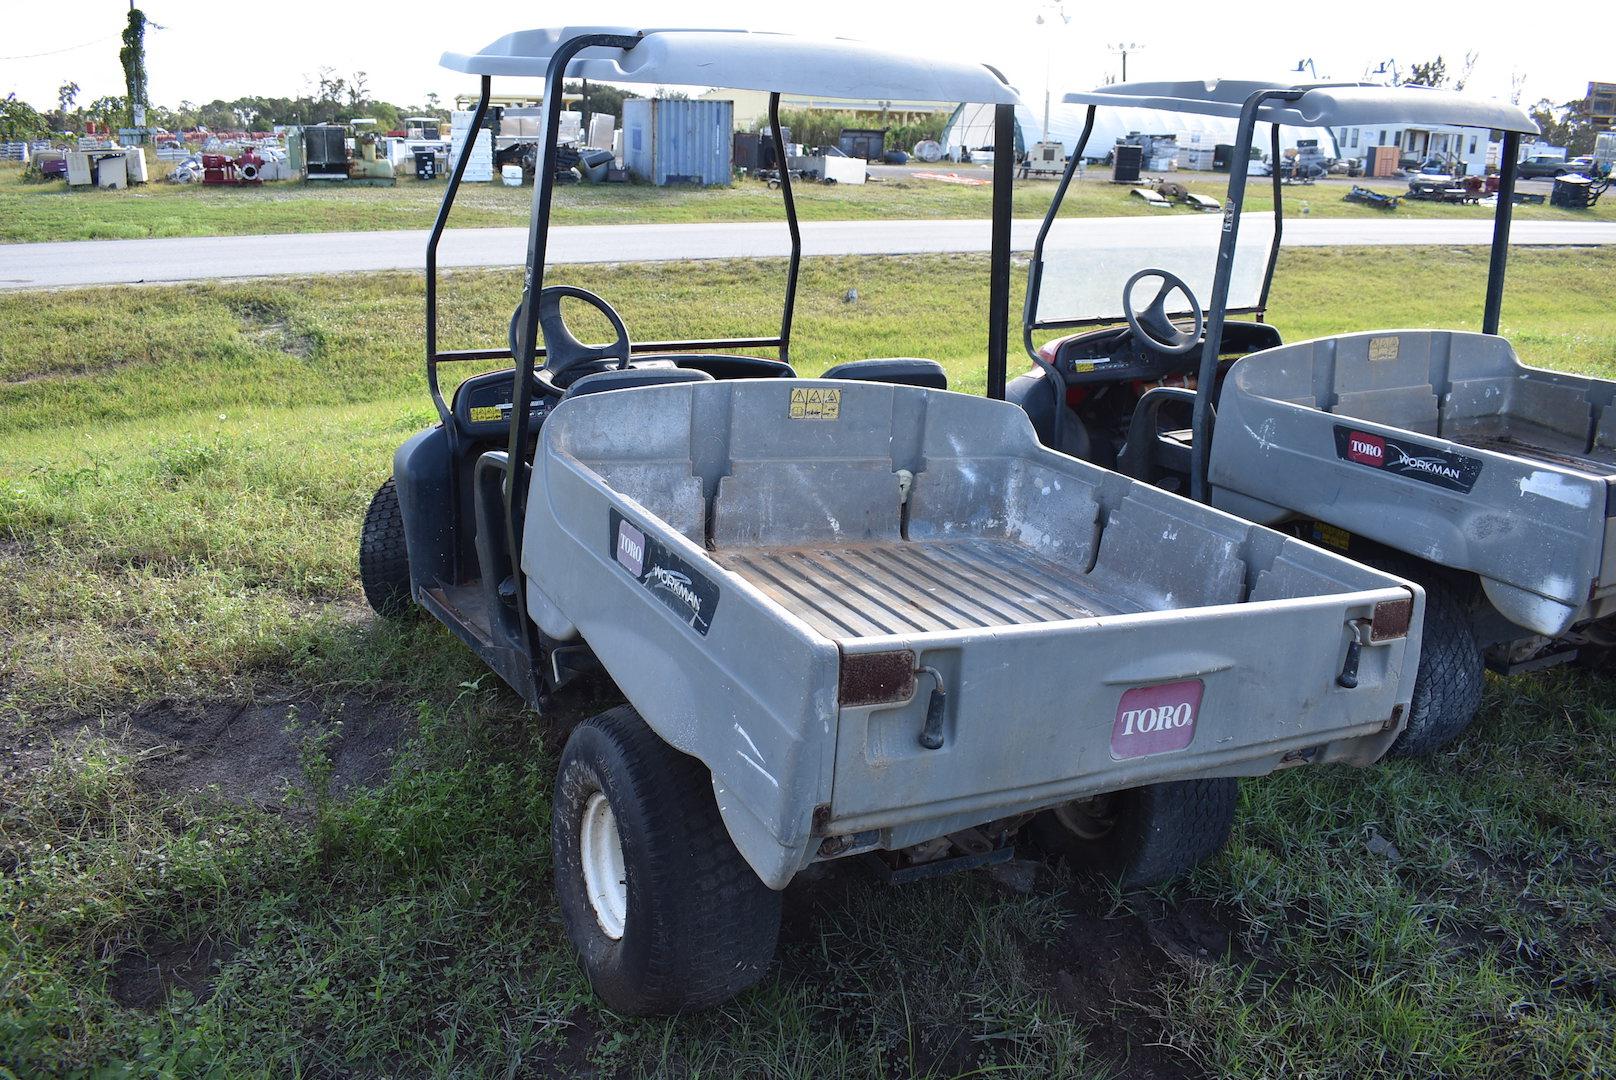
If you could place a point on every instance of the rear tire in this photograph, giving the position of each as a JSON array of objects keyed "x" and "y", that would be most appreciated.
[
  {"x": 384, "y": 563},
  {"x": 1142, "y": 836},
  {"x": 688, "y": 924},
  {"x": 1450, "y": 679}
]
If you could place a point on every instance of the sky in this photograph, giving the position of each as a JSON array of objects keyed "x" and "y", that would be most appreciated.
[{"x": 207, "y": 49}]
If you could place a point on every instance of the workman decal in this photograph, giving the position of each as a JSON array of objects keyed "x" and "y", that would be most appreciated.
[
  {"x": 664, "y": 573},
  {"x": 1432, "y": 465}
]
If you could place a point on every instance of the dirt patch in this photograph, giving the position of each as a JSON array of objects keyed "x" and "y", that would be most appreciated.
[
  {"x": 143, "y": 976},
  {"x": 1106, "y": 958},
  {"x": 253, "y": 751},
  {"x": 270, "y": 325}
]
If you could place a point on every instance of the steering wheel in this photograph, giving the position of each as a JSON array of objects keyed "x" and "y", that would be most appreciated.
[
  {"x": 565, "y": 357},
  {"x": 1153, "y": 325}
]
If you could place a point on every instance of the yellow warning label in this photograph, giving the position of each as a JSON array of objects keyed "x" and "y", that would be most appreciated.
[
  {"x": 1082, "y": 368},
  {"x": 1329, "y": 534},
  {"x": 816, "y": 403},
  {"x": 1384, "y": 348},
  {"x": 482, "y": 413}
]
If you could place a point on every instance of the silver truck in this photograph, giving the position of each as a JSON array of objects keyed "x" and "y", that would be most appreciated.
[
  {"x": 1434, "y": 454},
  {"x": 858, "y": 615}
]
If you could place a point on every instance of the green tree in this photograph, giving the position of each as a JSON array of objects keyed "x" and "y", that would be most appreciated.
[
  {"x": 133, "y": 58},
  {"x": 108, "y": 111},
  {"x": 20, "y": 120},
  {"x": 602, "y": 98},
  {"x": 1429, "y": 73},
  {"x": 66, "y": 94},
  {"x": 1568, "y": 125}
]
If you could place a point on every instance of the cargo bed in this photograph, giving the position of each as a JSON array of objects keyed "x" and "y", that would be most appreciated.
[
  {"x": 781, "y": 576},
  {"x": 1493, "y": 467}
]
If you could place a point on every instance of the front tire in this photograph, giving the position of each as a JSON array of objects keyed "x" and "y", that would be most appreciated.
[
  {"x": 384, "y": 563},
  {"x": 1142, "y": 836},
  {"x": 664, "y": 912}
]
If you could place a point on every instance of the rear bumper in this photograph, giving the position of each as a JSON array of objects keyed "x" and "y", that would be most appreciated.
[{"x": 1034, "y": 718}]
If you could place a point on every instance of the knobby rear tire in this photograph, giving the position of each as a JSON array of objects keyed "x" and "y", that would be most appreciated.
[
  {"x": 700, "y": 926},
  {"x": 384, "y": 563},
  {"x": 1158, "y": 832}
]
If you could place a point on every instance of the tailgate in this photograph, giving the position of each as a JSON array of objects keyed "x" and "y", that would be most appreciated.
[{"x": 1034, "y": 715}]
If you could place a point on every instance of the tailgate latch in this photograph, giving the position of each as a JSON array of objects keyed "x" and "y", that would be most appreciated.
[
  {"x": 931, "y": 735},
  {"x": 1361, "y": 631}
]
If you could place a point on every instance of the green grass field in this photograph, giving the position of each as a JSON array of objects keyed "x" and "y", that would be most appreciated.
[
  {"x": 361, "y": 886},
  {"x": 42, "y": 212}
]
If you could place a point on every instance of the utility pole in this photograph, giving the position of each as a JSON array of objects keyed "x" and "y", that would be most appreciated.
[
  {"x": 1057, "y": 12},
  {"x": 1123, "y": 48}
]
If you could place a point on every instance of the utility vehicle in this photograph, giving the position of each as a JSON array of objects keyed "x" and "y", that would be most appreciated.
[
  {"x": 1436, "y": 454},
  {"x": 849, "y": 615}
]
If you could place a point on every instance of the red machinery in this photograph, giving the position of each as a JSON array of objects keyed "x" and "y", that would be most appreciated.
[{"x": 219, "y": 169}]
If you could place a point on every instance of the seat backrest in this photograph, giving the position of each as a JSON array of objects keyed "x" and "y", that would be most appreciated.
[
  {"x": 902, "y": 370},
  {"x": 631, "y": 378}
]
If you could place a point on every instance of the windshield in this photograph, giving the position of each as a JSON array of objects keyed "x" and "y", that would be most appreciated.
[{"x": 1086, "y": 263}]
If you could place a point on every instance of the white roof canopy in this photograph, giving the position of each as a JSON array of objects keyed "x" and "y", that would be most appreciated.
[
  {"x": 1320, "y": 105},
  {"x": 743, "y": 60}
]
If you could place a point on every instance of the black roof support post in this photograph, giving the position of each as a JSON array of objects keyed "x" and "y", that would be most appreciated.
[
  {"x": 1004, "y": 169},
  {"x": 1279, "y": 222},
  {"x": 791, "y": 224},
  {"x": 1508, "y": 166},
  {"x": 1029, "y": 315},
  {"x": 438, "y": 224},
  {"x": 527, "y": 334},
  {"x": 1218, "y": 303}
]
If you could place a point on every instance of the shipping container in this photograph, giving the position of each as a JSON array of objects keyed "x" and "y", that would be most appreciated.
[{"x": 678, "y": 140}]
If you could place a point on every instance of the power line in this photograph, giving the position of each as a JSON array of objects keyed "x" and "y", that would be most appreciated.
[{"x": 58, "y": 52}]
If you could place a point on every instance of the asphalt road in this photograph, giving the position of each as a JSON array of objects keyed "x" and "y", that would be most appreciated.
[{"x": 123, "y": 262}]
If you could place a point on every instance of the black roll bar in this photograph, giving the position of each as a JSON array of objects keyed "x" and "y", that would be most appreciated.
[
  {"x": 1508, "y": 167},
  {"x": 438, "y": 223},
  {"x": 528, "y": 320},
  {"x": 791, "y": 223},
  {"x": 1206, "y": 379},
  {"x": 1035, "y": 269},
  {"x": 1279, "y": 220},
  {"x": 1004, "y": 174}
]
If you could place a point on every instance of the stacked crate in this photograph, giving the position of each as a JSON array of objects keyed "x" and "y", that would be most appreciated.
[{"x": 480, "y": 166}]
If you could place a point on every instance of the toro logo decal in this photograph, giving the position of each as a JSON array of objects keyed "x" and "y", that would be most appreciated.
[
  {"x": 664, "y": 573},
  {"x": 631, "y": 548},
  {"x": 1366, "y": 449},
  {"x": 1156, "y": 719},
  {"x": 1429, "y": 464}
]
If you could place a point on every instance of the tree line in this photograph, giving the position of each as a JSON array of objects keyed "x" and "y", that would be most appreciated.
[{"x": 329, "y": 98}]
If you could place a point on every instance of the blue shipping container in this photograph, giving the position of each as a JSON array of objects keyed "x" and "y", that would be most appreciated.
[{"x": 678, "y": 141}]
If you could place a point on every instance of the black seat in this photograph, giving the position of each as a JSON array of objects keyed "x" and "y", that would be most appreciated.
[
  {"x": 902, "y": 370},
  {"x": 632, "y": 377}
]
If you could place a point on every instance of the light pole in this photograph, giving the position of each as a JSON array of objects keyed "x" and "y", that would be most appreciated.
[
  {"x": 1123, "y": 48},
  {"x": 1056, "y": 11}
]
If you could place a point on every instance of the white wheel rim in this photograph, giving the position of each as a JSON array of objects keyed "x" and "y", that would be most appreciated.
[{"x": 601, "y": 852}]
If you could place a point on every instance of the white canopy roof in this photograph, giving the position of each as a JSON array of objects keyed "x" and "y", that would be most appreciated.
[
  {"x": 1320, "y": 105},
  {"x": 972, "y": 126},
  {"x": 744, "y": 60}
]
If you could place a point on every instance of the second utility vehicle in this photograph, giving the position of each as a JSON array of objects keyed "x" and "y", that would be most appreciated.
[
  {"x": 850, "y": 615},
  {"x": 1436, "y": 454}
]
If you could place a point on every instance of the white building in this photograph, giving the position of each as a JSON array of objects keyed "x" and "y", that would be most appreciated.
[{"x": 1469, "y": 147}]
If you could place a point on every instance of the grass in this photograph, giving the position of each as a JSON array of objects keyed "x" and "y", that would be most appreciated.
[
  {"x": 44, "y": 212},
  {"x": 177, "y": 518}
]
